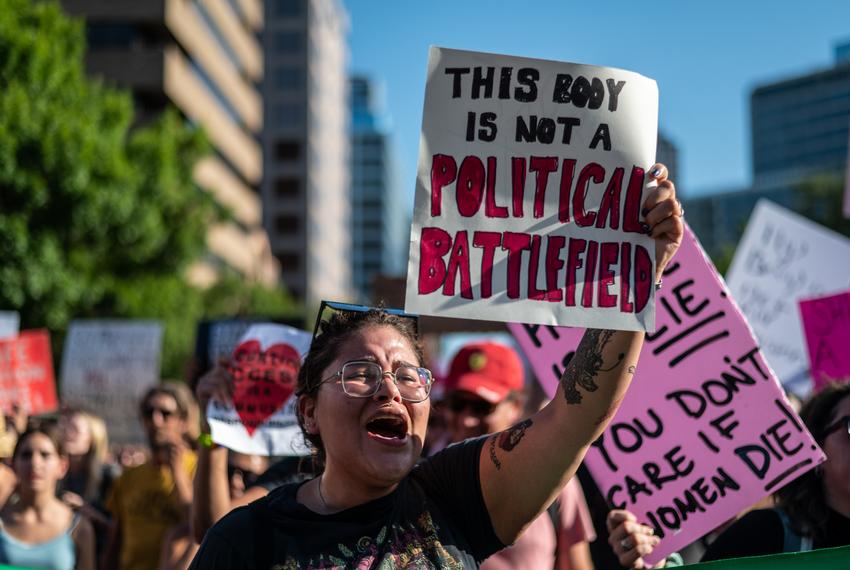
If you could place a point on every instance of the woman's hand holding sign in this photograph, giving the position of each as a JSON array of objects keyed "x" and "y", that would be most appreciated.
[
  {"x": 663, "y": 214},
  {"x": 629, "y": 539}
]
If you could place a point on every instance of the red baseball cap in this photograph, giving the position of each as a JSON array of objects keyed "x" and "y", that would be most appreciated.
[{"x": 487, "y": 369}]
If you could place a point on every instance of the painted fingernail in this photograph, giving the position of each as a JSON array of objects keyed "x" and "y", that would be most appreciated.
[
  {"x": 655, "y": 172},
  {"x": 645, "y": 228},
  {"x": 644, "y": 212}
]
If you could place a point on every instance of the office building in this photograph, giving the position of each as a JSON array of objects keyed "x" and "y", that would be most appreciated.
[
  {"x": 203, "y": 57},
  {"x": 305, "y": 189},
  {"x": 380, "y": 217},
  {"x": 667, "y": 154},
  {"x": 800, "y": 125}
]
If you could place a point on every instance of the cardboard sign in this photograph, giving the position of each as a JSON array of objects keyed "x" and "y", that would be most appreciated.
[
  {"x": 26, "y": 373},
  {"x": 826, "y": 322},
  {"x": 261, "y": 419},
  {"x": 529, "y": 189},
  {"x": 107, "y": 366},
  {"x": 9, "y": 323},
  {"x": 705, "y": 430},
  {"x": 781, "y": 259}
]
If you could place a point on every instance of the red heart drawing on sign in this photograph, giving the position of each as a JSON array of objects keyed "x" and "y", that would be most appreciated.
[{"x": 263, "y": 380}]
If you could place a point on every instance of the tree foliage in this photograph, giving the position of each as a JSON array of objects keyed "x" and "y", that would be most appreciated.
[{"x": 97, "y": 219}]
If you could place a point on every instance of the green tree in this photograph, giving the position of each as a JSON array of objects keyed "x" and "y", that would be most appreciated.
[{"x": 96, "y": 219}]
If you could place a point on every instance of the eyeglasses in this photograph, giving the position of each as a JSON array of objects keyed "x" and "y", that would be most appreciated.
[
  {"x": 149, "y": 411},
  {"x": 328, "y": 307},
  {"x": 840, "y": 423},
  {"x": 248, "y": 477},
  {"x": 362, "y": 379},
  {"x": 476, "y": 406}
]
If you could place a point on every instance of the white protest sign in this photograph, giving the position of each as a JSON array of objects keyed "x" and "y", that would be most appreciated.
[
  {"x": 10, "y": 322},
  {"x": 529, "y": 191},
  {"x": 781, "y": 259},
  {"x": 107, "y": 366},
  {"x": 261, "y": 419},
  {"x": 705, "y": 430}
]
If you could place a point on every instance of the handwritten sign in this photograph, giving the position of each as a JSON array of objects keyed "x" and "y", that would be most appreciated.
[
  {"x": 781, "y": 259},
  {"x": 261, "y": 419},
  {"x": 26, "y": 373},
  {"x": 826, "y": 321},
  {"x": 528, "y": 194},
  {"x": 705, "y": 430},
  {"x": 107, "y": 366}
]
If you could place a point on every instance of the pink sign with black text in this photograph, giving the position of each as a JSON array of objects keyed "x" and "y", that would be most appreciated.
[{"x": 705, "y": 430}]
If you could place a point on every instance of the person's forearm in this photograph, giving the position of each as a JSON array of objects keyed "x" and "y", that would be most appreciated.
[
  {"x": 595, "y": 382},
  {"x": 525, "y": 466},
  {"x": 212, "y": 491}
]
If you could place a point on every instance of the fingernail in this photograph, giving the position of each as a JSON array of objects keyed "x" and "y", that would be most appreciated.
[
  {"x": 645, "y": 228},
  {"x": 644, "y": 212},
  {"x": 655, "y": 172}
]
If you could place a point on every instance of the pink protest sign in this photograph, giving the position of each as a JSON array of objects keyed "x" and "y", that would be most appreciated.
[
  {"x": 705, "y": 430},
  {"x": 826, "y": 322}
]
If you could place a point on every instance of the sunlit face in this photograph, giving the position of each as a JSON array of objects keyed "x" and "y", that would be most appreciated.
[
  {"x": 836, "y": 469},
  {"x": 469, "y": 415},
  {"x": 76, "y": 434},
  {"x": 162, "y": 420},
  {"x": 38, "y": 464},
  {"x": 377, "y": 439}
]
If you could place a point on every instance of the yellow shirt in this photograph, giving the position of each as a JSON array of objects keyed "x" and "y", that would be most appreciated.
[{"x": 145, "y": 503}]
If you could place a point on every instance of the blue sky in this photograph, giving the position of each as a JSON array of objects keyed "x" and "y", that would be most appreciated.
[{"x": 705, "y": 55}]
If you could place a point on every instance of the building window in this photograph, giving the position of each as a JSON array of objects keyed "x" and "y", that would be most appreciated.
[
  {"x": 110, "y": 35},
  {"x": 289, "y": 42},
  {"x": 287, "y": 115},
  {"x": 289, "y": 261},
  {"x": 287, "y": 150},
  {"x": 286, "y": 8},
  {"x": 288, "y": 78},
  {"x": 286, "y": 224},
  {"x": 287, "y": 187}
]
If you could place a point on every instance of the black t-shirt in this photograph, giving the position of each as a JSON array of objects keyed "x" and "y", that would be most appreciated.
[
  {"x": 761, "y": 532},
  {"x": 436, "y": 518}
]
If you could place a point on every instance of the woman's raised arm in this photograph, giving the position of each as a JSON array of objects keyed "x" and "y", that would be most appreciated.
[{"x": 524, "y": 467}]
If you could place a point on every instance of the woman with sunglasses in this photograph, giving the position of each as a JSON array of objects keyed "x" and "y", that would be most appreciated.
[
  {"x": 813, "y": 511},
  {"x": 363, "y": 404}
]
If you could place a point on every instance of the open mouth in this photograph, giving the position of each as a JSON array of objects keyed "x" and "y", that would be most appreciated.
[{"x": 388, "y": 428}]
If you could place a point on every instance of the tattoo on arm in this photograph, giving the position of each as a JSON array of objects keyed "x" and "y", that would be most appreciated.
[
  {"x": 586, "y": 364},
  {"x": 508, "y": 440}
]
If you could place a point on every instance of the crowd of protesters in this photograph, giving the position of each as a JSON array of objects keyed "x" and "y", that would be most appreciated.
[{"x": 493, "y": 487}]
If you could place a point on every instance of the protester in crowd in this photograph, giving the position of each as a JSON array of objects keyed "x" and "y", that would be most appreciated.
[
  {"x": 149, "y": 500},
  {"x": 90, "y": 473},
  {"x": 363, "y": 403},
  {"x": 216, "y": 464},
  {"x": 179, "y": 546},
  {"x": 37, "y": 530},
  {"x": 485, "y": 394},
  {"x": 813, "y": 511}
]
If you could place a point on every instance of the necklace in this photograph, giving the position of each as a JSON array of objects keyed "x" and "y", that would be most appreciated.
[{"x": 321, "y": 496}]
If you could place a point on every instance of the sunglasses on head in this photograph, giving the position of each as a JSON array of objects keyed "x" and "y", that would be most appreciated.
[
  {"x": 840, "y": 423},
  {"x": 327, "y": 308}
]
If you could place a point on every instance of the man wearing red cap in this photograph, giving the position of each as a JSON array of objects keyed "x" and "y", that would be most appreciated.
[{"x": 485, "y": 393}]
